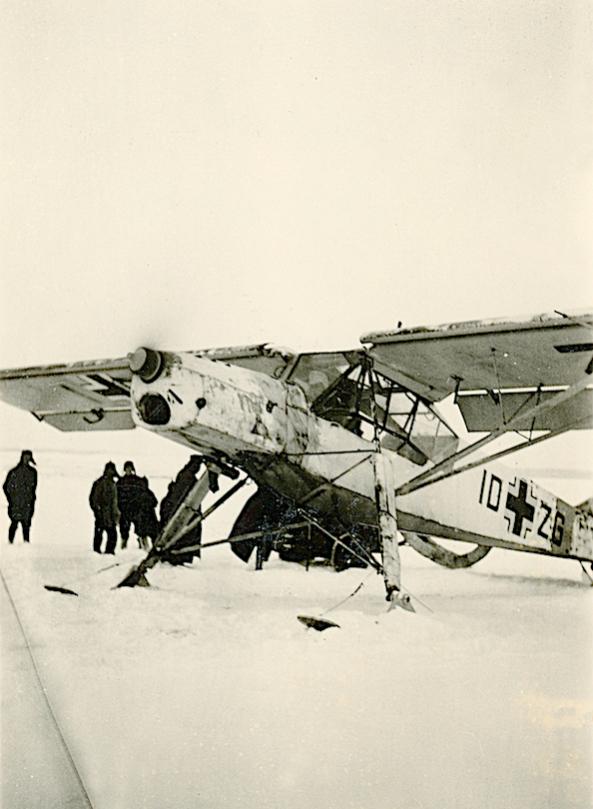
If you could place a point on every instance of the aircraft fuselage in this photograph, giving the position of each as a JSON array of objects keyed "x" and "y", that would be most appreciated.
[{"x": 266, "y": 426}]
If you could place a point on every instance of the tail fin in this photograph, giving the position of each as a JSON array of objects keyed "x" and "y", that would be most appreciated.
[{"x": 586, "y": 506}]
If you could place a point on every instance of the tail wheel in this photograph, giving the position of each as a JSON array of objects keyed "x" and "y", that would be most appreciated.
[{"x": 436, "y": 553}]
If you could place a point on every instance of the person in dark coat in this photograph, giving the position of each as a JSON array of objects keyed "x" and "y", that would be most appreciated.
[
  {"x": 129, "y": 490},
  {"x": 146, "y": 522},
  {"x": 20, "y": 488},
  {"x": 103, "y": 502},
  {"x": 176, "y": 492}
]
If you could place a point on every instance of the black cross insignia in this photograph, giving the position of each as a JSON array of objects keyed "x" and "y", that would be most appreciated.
[
  {"x": 108, "y": 386},
  {"x": 521, "y": 509}
]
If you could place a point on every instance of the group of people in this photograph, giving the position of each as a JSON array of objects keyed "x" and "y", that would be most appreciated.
[
  {"x": 126, "y": 501},
  {"x": 117, "y": 501}
]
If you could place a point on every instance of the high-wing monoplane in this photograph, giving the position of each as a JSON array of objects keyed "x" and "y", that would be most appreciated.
[{"x": 348, "y": 449}]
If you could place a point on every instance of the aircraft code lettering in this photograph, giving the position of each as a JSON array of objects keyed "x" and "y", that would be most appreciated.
[
  {"x": 542, "y": 530},
  {"x": 558, "y": 530},
  {"x": 494, "y": 491},
  {"x": 521, "y": 511}
]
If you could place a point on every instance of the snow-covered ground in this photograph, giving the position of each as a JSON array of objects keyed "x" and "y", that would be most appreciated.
[{"x": 205, "y": 691}]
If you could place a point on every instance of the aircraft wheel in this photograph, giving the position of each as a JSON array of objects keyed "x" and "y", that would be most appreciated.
[
  {"x": 251, "y": 518},
  {"x": 265, "y": 510}
]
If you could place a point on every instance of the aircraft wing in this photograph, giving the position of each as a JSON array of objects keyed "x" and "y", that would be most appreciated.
[
  {"x": 95, "y": 395},
  {"x": 498, "y": 369},
  {"x": 262, "y": 358},
  {"x": 314, "y": 371},
  {"x": 89, "y": 396}
]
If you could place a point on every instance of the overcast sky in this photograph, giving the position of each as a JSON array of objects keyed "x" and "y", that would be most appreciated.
[{"x": 190, "y": 174}]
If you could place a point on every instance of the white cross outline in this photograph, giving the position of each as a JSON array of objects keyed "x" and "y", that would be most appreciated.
[{"x": 98, "y": 388}]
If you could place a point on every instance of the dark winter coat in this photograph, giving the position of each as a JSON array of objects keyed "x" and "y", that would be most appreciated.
[
  {"x": 176, "y": 492},
  {"x": 103, "y": 501},
  {"x": 146, "y": 522},
  {"x": 179, "y": 488},
  {"x": 129, "y": 491},
  {"x": 20, "y": 489}
]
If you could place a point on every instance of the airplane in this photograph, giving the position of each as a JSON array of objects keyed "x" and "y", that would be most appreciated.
[{"x": 348, "y": 449}]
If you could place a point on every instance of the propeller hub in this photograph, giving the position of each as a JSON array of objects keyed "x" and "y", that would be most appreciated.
[{"x": 146, "y": 363}]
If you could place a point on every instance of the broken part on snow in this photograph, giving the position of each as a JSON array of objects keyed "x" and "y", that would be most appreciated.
[
  {"x": 65, "y": 590},
  {"x": 316, "y": 623}
]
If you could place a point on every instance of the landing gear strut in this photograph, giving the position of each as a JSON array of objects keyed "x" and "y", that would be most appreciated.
[{"x": 385, "y": 486}]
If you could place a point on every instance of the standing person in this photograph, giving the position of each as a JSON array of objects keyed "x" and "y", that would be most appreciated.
[
  {"x": 20, "y": 488},
  {"x": 147, "y": 524},
  {"x": 176, "y": 492},
  {"x": 129, "y": 490},
  {"x": 103, "y": 502}
]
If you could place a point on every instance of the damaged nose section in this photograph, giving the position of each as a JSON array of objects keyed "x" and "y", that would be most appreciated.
[
  {"x": 146, "y": 363},
  {"x": 154, "y": 409}
]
